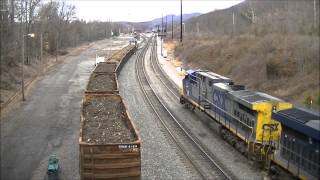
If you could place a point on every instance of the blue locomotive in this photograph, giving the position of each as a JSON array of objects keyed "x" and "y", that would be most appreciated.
[
  {"x": 297, "y": 150},
  {"x": 248, "y": 119}
]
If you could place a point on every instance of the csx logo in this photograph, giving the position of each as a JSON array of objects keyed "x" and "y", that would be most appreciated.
[{"x": 217, "y": 98}]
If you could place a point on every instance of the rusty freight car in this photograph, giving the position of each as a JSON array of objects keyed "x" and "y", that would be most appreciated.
[
  {"x": 102, "y": 83},
  {"x": 109, "y": 142}
]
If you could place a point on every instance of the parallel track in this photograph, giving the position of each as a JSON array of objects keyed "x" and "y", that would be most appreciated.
[{"x": 198, "y": 157}]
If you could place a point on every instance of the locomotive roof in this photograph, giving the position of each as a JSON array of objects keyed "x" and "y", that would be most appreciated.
[
  {"x": 300, "y": 120},
  {"x": 223, "y": 86},
  {"x": 227, "y": 87},
  {"x": 248, "y": 97},
  {"x": 213, "y": 75}
]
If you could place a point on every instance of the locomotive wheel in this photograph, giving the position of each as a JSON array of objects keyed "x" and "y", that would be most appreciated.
[{"x": 182, "y": 100}]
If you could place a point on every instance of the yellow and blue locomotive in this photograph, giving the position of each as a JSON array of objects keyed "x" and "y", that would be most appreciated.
[{"x": 244, "y": 116}]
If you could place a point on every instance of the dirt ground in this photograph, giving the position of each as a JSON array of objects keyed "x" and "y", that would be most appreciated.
[
  {"x": 105, "y": 121},
  {"x": 102, "y": 82}
]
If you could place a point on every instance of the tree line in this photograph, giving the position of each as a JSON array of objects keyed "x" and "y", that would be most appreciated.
[{"x": 54, "y": 21}]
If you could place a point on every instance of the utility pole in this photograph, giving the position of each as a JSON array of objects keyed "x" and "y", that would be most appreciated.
[
  {"x": 57, "y": 41},
  {"x": 166, "y": 25},
  {"x": 22, "y": 54},
  {"x": 314, "y": 14},
  {"x": 26, "y": 32},
  {"x": 105, "y": 31},
  {"x": 161, "y": 34},
  {"x": 172, "y": 27},
  {"x": 198, "y": 30},
  {"x": 41, "y": 52},
  {"x": 181, "y": 21},
  {"x": 162, "y": 24},
  {"x": 233, "y": 24}
]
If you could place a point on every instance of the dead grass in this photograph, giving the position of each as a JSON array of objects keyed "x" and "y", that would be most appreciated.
[{"x": 283, "y": 66}]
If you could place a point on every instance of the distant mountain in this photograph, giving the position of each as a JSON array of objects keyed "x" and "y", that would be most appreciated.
[
  {"x": 148, "y": 25},
  {"x": 262, "y": 17},
  {"x": 176, "y": 18}
]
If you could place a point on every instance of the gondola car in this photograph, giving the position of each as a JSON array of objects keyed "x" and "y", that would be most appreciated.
[
  {"x": 244, "y": 116},
  {"x": 297, "y": 151}
]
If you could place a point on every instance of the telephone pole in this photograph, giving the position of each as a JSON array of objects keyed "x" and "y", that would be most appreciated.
[
  {"x": 172, "y": 27},
  {"x": 162, "y": 24},
  {"x": 161, "y": 34},
  {"x": 198, "y": 30},
  {"x": 314, "y": 14},
  {"x": 181, "y": 21},
  {"x": 41, "y": 52},
  {"x": 22, "y": 54},
  {"x": 233, "y": 24},
  {"x": 166, "y": 25}
]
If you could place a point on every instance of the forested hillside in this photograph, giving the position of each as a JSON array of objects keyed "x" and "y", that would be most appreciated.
[
  {"x": 269, "y": 46},
  {"x": 54, "y": 21}
]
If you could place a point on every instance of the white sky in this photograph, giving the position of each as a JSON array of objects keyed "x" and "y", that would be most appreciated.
[{"x": 143, "y": 10}]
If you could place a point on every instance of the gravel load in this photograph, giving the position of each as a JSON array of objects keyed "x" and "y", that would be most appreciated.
[
  {"x": 102, "y": 82},
  {"x": 118, "y": 56},
  {"x": 104, "y": 67},
  {"x": 105, "y": 121}
]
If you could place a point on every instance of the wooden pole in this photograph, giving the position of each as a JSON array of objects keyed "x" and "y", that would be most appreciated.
[
  {"x": 172, "y": 27},
  {"x": 57, "y": 41},
  {"x": 181, "y": 21},
  {"x": 198, "y": 30},
  {"x": 166, "y": 25},
  {"x": 233, "y": 24},
  {"x": 22, "y": 55},
  {"x": 41, "y": 52}
]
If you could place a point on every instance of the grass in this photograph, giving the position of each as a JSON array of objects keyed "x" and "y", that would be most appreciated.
[{"x": 280, "y": 65}]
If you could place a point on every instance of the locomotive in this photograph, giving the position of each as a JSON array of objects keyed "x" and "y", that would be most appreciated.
[
  {"x": 297, "y": 151},
  {"x": 253, "y": 122}
]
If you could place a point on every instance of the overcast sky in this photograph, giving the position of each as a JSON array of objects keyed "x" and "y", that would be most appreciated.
[{"x": 143, "y": 10}]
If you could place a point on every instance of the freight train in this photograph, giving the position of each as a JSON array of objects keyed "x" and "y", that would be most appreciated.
[{"x": 266, "y": 129}]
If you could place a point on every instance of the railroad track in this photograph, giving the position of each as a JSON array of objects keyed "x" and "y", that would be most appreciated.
[
  {"x": 174, "y": 90},
  {"x": 199, "y": 158}
]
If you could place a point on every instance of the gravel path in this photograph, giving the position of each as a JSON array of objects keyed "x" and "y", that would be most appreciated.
[
  {"x": 160, "y": 160},
  {"x": 206, "y": 130}
]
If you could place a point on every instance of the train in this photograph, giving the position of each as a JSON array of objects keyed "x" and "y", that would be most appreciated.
[{"x": 270, "y": 131}]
